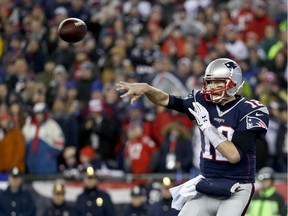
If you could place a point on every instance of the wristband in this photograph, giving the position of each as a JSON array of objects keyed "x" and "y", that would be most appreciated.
[{"x": 214, "y": 136}]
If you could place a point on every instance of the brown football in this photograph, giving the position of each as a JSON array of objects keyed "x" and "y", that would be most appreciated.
[{"x": 72, "y": 30}]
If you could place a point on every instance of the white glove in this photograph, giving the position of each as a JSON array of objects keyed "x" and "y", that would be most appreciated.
[{"x": 201, "y": 115}]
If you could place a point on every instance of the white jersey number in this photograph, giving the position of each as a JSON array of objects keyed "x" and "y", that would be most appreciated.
[{"x": 207, "y": 151}]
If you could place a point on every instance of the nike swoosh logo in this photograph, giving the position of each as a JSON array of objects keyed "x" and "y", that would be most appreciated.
[{"x": 258, "y": 114}]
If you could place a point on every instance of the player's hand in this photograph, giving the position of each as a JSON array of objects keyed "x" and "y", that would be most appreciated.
[
  {"x": 133, "y": 90},
  {"x": 201, "y": 115}
]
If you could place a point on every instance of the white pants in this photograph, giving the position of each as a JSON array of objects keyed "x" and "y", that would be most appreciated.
[{"x": 203, "y": 205}]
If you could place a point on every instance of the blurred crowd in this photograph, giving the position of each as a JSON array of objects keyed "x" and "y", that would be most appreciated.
[{"x": 60, "y": 113}]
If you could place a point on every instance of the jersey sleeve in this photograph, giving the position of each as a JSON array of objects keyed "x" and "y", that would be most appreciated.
[
  {"x": 255, "y": 118},
  {"x": 182, "y": 104}
]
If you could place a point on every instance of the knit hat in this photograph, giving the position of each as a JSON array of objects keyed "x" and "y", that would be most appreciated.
[
  {"x": 88, "y": 152},
  {"x": 71, "y": 84},
  {"x": 96, "y": 86}
]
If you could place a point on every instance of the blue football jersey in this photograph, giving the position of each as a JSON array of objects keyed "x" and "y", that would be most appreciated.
[{"x": 241, "y": 114}]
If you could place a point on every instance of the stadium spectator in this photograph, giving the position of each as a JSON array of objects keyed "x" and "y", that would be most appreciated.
[
  {"x": 44, "y": 141},
  {"x": 15, "y": 200},
  {"x": 88, "y": 157},
  {"x": 276, "y": 137},
  {"x": 163, "y": 206},
  {"x": 68, "y": 162},
  {"x": 137, "y": 113},
  {"x": 99, "y": 131},
  {"x": 184, "y": 70},
  {"x": 162, "y": 118},
  {"x": 67, "y": 120},
  {"x": 64, "y": 53},
  {"x": 12, "y": 145},
  {"x": 190, "y": 49},
  {"x": 93, "y": 201},
  {"x": 137, "y": 205},
  {"x": 46, "y": 75},
  {"x": 18, "y": 80},
  {"x": 243, "y": 15},
  {"x": 60, "y": 13},
  {"x": 267, "y": 201},
  {"x": 15, "y": 48},
  {"x": 176, "y": 151},
  {"x": 225, "y": 21},
  {"x": 85, "y": 76},
  {"x": 4, "y": 93},
  {"x": 260, "y": 20},
  {"x": 173, "y": 45},
  {"x": 77, "y": 9},
  {"x": 208, "y": 40},
  {"x": 18, "y": 114},
  {"x": 198, "y": 68},
  {"x": 35, "y": 56},
  {"x": 155, "y": 20},
  {"x": 233, "y": 44},
  {"x": 143, "y": 55},
  {"x": 59, "y": 205},
  {"x": 113, "y": 105},
  {"x": 56, "y": 87},
  {"x": 269, "y": 88},
  {"x": 96, "y": 89},
  {"x": 140, "y": 153},
  {"x": 270, "y": 38},
  {"x": 115, "y": 64}
]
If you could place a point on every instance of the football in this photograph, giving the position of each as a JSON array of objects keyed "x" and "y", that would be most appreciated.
[{"x": 72, "y": 30}]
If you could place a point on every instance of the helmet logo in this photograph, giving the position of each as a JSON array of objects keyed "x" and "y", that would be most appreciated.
[{"x": 230, "y": 65}]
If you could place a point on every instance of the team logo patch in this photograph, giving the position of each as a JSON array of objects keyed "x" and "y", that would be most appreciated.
[
  {"x": 252, "y": 122},
  {"x": 230, "y": 65}
]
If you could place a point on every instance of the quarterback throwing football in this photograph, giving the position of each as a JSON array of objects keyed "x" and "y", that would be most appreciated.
[{"x": 230, "y": 124}]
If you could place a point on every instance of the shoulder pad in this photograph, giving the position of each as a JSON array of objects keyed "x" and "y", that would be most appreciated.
[
  {"x": 192, "y": 95},
  {"x": 255, "y": 114}
]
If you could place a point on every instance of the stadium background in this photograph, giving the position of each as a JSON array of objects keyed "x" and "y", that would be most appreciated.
[{"x": 166, "y": 43}]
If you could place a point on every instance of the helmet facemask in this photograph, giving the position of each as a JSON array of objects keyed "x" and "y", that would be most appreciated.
[{"x": 218, "y": 93}]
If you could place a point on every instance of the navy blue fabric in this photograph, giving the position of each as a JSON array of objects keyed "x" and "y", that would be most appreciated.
[
  {"x": 17, "y": 203},
  {"x": 241, "y": 115},
  {"x": 215, "y": 187}
]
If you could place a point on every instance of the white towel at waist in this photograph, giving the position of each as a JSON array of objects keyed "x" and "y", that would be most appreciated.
[{"x": 183, "y": 192}]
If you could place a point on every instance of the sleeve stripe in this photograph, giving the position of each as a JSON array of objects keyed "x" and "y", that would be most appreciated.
[{"x": 262, "y": 109}]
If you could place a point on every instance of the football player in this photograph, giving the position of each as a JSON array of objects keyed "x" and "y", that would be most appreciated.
[{"x": 230, "y": 124}]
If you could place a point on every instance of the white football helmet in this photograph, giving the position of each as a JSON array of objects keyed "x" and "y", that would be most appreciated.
[{"x": 226, "y": 70}]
